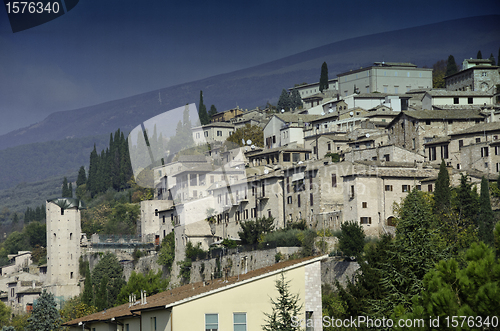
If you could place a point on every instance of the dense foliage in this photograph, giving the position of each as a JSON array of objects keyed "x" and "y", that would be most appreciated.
[
  {"x": 252, "y": 230},
  {"x": 107, "y": 281},
  {"x": 351, "y": 238},
  {"x": 152, "y": 283},
  {"x": 248, "y": 132},
  {"x": 167, "y": 251}
]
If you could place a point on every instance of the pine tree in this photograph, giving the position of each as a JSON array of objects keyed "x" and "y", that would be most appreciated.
[
  {"x": 486, "y": 219},
  {"x": 467, "y": 201},
  {"x": 442, "y": 193},
  {"x": 296, "y": 99},
  {"x": 82, "y": 177},
  {"x": 45, "y": 316},
  {"x": 479, "y": 55},
  {"x": 492, "y": 59},
  {"x": 285, "y": 308},
  {"x": 451, "y": 66},
  {"x": 323, "y": 79},
  {"x": 202, "y": 111},
  {"x": 351, "y": 238},
  {"x": 212, "y": 112},
  {"x": 284, "y": 101}
]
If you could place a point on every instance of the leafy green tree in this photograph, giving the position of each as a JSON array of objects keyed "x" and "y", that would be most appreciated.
[
  {"x": 286, "y": 309},
  {"x": 5, "y": 312},
  {"x": 248, "y": 132},
  {"x": 202, "y": 111},
  {"x": 486, "y": 219},
  {"x": 451, "y": 66},
  {"x": 212, "y": 112},
  {"x": 284, "y": 101},
  {"x": 123, "y": 219},
  {"x": 152, "y": 283},
  {"x": 449, "y": 290},
  {"x": 15, "y": 242},
  {"x": 479, "y": 55},
  {"x": 252, "y": 230},
  {"x": 492, "y": 59},
  {"x": 438, "y": 73},
  {"x": 351, "y": 238},
  {"x": 467, "y": 201},
  {"x": 45, "y": 316},
  {"x": 36, "y": 233},
  {"x": 166, "y": 256},
  {"x": 323, "y": 79},
  {"x": 75, "y": 308},
  {"x": 20, "y": 321},
  {"x": 110, "y": 269},
  {"x": 442, "y": 192}
]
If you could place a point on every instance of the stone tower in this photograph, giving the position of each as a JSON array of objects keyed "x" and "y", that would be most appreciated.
[{"x": 63, "y": 246}]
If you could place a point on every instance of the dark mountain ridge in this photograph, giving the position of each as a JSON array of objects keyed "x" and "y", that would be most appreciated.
[{"x": 255, "y": 86}]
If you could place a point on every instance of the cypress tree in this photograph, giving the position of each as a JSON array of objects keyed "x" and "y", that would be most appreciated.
[
  {"x": 212, "y": 112},
  {"x": 82, "y": 177},
  {"x": 442, "y": 193},
  {"x": 492, "y": 59},
  {"x": 467, "y": 201},
  {"x": 88, "y": 293},
  {"x": 70, "y": 190},
  {"x": 451, "y": 66},
  {"x": 93, "y": 170},
  {"x": 486, "y": 218},
  {"x": 479, "y": 55},
  {"x": 323, "y": 79},
  {"x": 202, "y": 111},
  {"x": 65, "y": 188},
  {"x": 296, "y": 99},
  {"x": 16, "y": 219}
]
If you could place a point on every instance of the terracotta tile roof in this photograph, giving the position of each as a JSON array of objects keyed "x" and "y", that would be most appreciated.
[
  {"x": 483, "y": 127},
  {"x": 189, "y": 291}
]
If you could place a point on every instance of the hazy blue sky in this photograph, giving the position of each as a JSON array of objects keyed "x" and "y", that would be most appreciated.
[{"x": 104, "y": 50}]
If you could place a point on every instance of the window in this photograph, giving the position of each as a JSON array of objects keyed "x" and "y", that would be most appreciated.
[
  {"x": 405, "y": 188},
  {"x": 388, "y": 187},
  {"x": 71, "y": 275},
  {"x": 328, "y": 147},
  {"x": 309, "y": 321},
  {"x": 127, "y": 327},
  {"x": 352, "y": 191},
  {"x": 484, "y": 152},
  {"x": 298, "y": 200},
  {"x": 334, "y": 180},
  {"x": 396, "y": 73},
  {"x": 408, "y": 74},
  {"x": 289, "y": 200},
  {"x": 427, "y": 122},
  {"x": 470, "y": 101},
  {"x": 311, "y": 198},
  {"x": 444, "y": 151},
  {"x": 240, "y": 321},
  {"x": 206, "y": 133},
  {"x": 460, "y": 143},
  {"x": 419, "y": 187},
  {"x": 478, "y": 140},
  {"x": 365, "y": 204},
  {"x": 455, "y": 101},
  {"x": 429, "y": 188},
  {"x": 365, "y": 220},
  {"x": 387, "y": 157},
  {"x": 498, "y": 167},
  {"x": 413, "y": 143},
  {"x": 286, "y": 157},
  {"x": 274, "y": 139},
  {"x": 211, "y": 322},
  {"x": 396, "y": 89},
  {"x": 62, "y": 211},
  {"x": 219, "y": 133},
  {"x": 432, "y": 153},
  {"x": 246, "y": 213},
  {"x": 70, "y": 236}
]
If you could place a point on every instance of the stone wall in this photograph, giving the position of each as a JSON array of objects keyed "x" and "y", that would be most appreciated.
[{"x": 334, "y": 269}]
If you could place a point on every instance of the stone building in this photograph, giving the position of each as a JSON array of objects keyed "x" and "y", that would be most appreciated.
[
  {"x": 372, "y": 188},
  {"x": 476, "y": 75},
  {"x": 443, "y": 99},
  {"x": 385, "y": 77},
  {"x": 412, "y": 129},
  {"x": 212, "y": 133},
  {"x": 226, "y": 116},
  {"x": 63, "y": 246}
]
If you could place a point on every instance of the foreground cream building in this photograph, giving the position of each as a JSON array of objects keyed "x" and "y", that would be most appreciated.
[{"x": 237, "y": 303}]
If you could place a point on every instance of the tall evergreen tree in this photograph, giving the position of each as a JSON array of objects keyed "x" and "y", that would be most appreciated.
[
  {"x": 296, "y": 99},
  {"x": 101, "y": 299},
  {"x": 82, "y": 177},
  {"x": 323, "y": 79},
  {"x": 65, "y": 189},
  {"x": 45, "y": 316},
  {"x": 286, "y": 308},
  {"x": 492, "y": 59},
  {"x": 479, "y": 55},
  {"x": 212, "y": 112},
  {"x": 451, "y": 66},
  {"x": 88, "y": 292},
  {"x": 92, "y": 181},
  {"x": 442, "y": 192},
  {"x": 202, "y": 111},
  {"x": 486, "y": 219},
  {"x": 70, "y": 190},
  {"x": 284, "y": 101},
  {"x": 467, "y": 201}
]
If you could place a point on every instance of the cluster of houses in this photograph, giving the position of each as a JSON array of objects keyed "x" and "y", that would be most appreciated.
[{"x": 350, "y": 153}]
